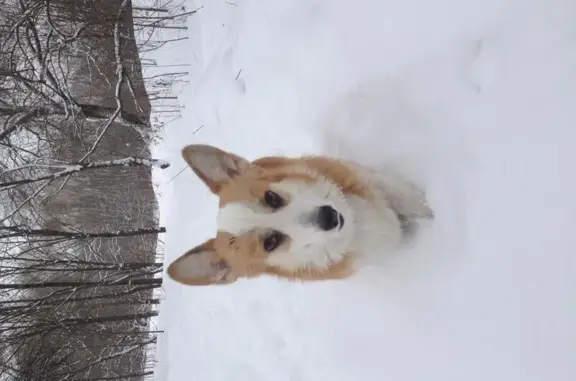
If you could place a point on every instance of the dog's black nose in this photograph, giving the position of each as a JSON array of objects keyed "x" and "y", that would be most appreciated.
[{"x": 329, "y": 218}]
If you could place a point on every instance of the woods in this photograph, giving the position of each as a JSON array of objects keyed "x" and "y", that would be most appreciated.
[{"x": 80, "y": 249}]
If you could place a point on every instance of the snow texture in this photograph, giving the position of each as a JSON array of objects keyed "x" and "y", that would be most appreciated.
[{"x": 472, "y": 99}]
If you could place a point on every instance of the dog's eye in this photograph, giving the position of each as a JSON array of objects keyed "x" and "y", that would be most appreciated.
[
  {"x": 272, "y": 241},
  {"x": 273, "y": 200}
]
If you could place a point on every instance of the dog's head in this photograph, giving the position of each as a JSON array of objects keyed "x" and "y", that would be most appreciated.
[{"x": 276, "y": 216}]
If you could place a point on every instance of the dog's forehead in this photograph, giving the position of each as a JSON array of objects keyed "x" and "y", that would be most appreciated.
[
  {"x": 237, "y": 218},
  {"x": 240, "y": 218}
]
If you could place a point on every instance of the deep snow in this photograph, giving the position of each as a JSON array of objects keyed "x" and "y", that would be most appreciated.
[{"x": 473, "y": 99}]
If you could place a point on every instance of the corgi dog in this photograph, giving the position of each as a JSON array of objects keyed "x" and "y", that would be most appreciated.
[{"x": 307, "y": 218}]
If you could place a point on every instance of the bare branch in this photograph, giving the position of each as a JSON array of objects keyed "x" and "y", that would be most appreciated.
[{"x": 73, "y": 168}]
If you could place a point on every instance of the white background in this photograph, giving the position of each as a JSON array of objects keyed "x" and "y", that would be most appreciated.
[{"x": 476, "y": 100}]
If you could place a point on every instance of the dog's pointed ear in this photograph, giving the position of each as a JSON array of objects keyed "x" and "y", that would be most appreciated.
[
  {"x": 214, "y": 166},
  {"x": 201, "y": 267}
]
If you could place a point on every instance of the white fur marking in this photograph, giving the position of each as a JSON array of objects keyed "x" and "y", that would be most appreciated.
[{"x": 237, "y": 219}]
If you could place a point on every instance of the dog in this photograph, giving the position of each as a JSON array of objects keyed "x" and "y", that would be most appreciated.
[{"x": 310, "y": 218}]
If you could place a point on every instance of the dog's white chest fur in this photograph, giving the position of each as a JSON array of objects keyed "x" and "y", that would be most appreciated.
[{"x": 378, "y": 225}]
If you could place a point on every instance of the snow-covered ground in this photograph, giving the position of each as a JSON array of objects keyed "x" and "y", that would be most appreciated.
[{"x": 476, "y": 100}]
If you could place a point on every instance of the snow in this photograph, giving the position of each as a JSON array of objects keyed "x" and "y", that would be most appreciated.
[{"x": 475, "y": 101}]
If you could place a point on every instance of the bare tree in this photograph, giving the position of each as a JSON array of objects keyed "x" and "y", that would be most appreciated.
[{"x": 79, "y": 265}]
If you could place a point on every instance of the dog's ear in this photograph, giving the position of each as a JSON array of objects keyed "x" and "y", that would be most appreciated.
[
  {"x": 201, "y": 267},
  {"x": 214, "y": 166}
]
